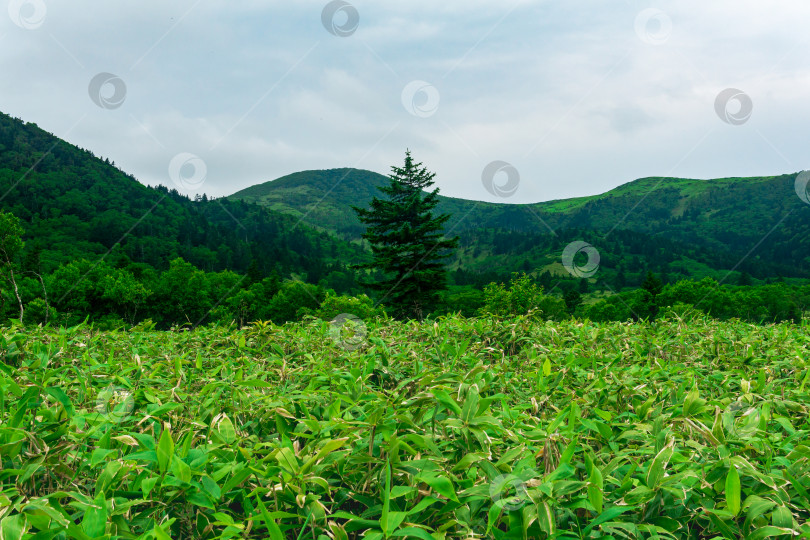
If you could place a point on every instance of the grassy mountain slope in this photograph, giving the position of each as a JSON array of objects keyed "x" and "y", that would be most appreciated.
[
  {"x": 711, "y": 224},
  {"x": 761, "y": 219},
  {"x": 324, "y": 198},
  {"x": 319, "y": 198}
]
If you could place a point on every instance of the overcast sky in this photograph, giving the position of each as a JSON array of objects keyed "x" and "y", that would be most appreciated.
[{"x": 577, "y": 96}]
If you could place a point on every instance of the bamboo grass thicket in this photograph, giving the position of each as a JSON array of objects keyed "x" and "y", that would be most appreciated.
[{"x": 448, "y": 428}]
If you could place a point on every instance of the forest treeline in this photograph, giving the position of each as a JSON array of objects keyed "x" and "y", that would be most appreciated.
[{"x": 116, "y": 294}]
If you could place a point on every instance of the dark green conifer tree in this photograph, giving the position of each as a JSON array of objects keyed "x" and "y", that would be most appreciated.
[
  {"x": 407, "y": 241},
  {"x": 652, "y": 284}
]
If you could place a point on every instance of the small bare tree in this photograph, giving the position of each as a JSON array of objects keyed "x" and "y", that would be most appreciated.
[{"x": 11, "y": 244}]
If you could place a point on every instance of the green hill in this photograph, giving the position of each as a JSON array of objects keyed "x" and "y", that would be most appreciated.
[
  {"x": 321, "y": 199},
  {"x": 686, "y": 227},
  {"x": 74, "y": 205}
]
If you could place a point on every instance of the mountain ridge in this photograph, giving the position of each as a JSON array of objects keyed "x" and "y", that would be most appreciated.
[
  {"x": 350, "y": 186},
  {"x": 290, "y": 179},
  {"x": 725, "y": 218}
]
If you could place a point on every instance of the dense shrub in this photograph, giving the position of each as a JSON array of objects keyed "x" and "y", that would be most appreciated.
[
  {"x": 521, "y": 296},
  {"x": 360, "y": 306},
  {"x": 465, "y": 301},
  {"x": 760, "y": 304},
  {"x": 38, "y": 312}
]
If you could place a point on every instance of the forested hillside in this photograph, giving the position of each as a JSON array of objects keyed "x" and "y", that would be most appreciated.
[
  {"x": 99, "y": 244},
  {"x": 75, "y": 205}
]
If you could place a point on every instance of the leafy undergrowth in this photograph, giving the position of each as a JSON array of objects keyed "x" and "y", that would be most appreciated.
[{"x": 462, "y": 428}]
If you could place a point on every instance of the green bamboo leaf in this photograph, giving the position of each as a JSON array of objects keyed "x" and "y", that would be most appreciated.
[
  {"x": 782, "y": 517},
  {"x": 147, "y": 485},
  {"x": 165, "y": 451},
  {"x": 757, "y": 506},
  {"x": 727, "y": 532},
  {"x": 796, "y": 484},
  {"x": 239, "y": 474},
  {"x": 422, "y": 504},
  {"x": 659, "y": 463},
  {"x": 281, "y": 426},
  {"x": 75, "y": 532},
  {"x": 287, "y": 460},
  {"x": 800, "y": 451},
  {"x": 94, "y": 521},
  {"x": 395, "y": 519},
  {"x": 63, "y": 399},
  {"x": 445, "y": 399},
  {"x": 160, "y": 530},
  {"x": 99, "y": 455},
  {"x": 256, "y": 383},
  {"x": 105, "y": 479},
  {"x": 29, "y": 399},
  {"x": 224, "y": 518},
  {"x": 181, "y": 469},
  {"x": 545, "y": 518},
  {"x": 639, "y": 495},
  {"x": 13, "y": 527},
  {"x": 769, "y": 530},
  {"x": 468, "y": 460},
  {"x": 733, "y": 490},
  {"x": 356, "y": 523},
  {"x": 162, "y": 409},
  {"x": 440, "y": 484},
  {"x": 328, "y": 448},
  {"x": 199, "y": 498},
  {"x": 569, "y": 451},
  {"x": 414, "y": 532},
  {"x": 470, "y": 408},
  {"x": 494, "y": 512},
  {"x": 605, "y": 516},
  {"x": 595, "y": 488},
  {"x": 226, "y": 430},
  {"x": 693, "y": 404},
  {"x": 146, "y": 455},
  {"x": 717, "y": 427},
  {"x": 272, "y": 528}
]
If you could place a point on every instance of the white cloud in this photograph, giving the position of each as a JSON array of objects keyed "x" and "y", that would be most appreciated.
[{"x": 567, "y": 92}]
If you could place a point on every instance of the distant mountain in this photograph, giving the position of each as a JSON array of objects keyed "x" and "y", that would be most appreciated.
[
  {"x": 75, "y": 205},
  {"x": 321, "y": 199},
  {"x": 324, "y": 199},
  {"x": 706, "y": 227}
]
